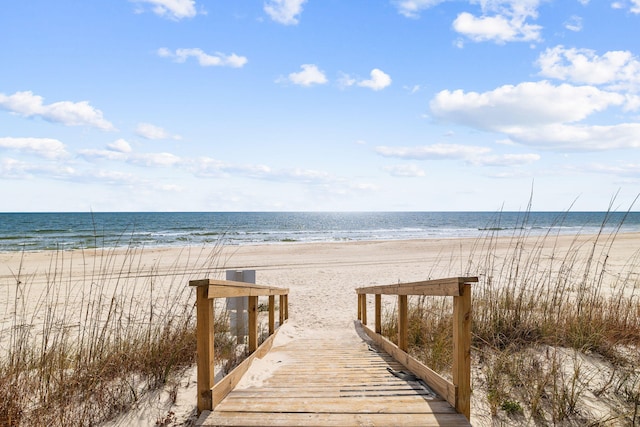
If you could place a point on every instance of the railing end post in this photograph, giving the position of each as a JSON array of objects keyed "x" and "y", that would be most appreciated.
[
  {"x": 462, "y": 349},
  {"x": 204, "y": 347}
]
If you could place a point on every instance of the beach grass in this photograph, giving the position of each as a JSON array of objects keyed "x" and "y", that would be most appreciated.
[
  {"x": 556, "y": 333},
  {"x": 87, "y": 348}
]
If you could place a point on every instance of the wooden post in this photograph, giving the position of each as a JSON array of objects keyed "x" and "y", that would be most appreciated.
[
  {"x": 272, "y": 314},
  {"x": 364, "y": 309},
  {"x": 253, "y": 323},
  {"x": 462, "y": 349},
  {"x": 378, "y": 313},
  {"x": 402, "y": 322},
  {"x": 281, "y": 310},
  {"x": 286, "y": 306},
  {"x": 204, "y": 347},
  {"x": 360, "y": 307}
]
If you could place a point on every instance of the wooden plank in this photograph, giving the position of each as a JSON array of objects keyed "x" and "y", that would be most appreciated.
[
  {"x": 281, "y": 310},
  {"x": 439, "y": 287},
  {"x": 440, "y": 385},
  {"x": 225, "y": 291},
  {"x": 232, "y": 283},
  {"x": 336, "y": 420},
  {"x": 313, "y": 394},
  {"x": 272, "y": 314},
  {"x": 378, "y": 313},
  {"x": 253, "y": 323},
  {"x": 286, "y": 305},
  {"x": 403, "y": 322},
  {"x": 204, "y": 348},
  {"x": 398, "y": 405},
  {"x": 364, "y": 308},
  {"x": 462, "y": 350}
]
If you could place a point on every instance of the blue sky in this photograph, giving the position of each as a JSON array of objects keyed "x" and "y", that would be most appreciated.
[{"x": 307, "y": 105}]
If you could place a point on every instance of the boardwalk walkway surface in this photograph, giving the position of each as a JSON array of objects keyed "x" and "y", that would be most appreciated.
[{"x": 323, "y": 381}]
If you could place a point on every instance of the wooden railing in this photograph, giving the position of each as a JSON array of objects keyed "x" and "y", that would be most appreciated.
[
  {"x": 458, "y": 392},
  {"x": 207, "y": 290}
]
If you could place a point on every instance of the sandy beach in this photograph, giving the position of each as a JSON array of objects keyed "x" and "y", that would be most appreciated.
[{"x": 321, "y": 277}]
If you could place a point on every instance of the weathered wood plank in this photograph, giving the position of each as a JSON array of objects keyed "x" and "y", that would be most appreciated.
[
  {"x": 439, "y": 287},
  {"x": 398, "y": 405},
  {"x": 335, "y": 420}
]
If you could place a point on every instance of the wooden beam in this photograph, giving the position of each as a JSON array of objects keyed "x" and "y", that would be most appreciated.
[
  {"x": 462, "y": 350},
  {"x": 363, "y": 301},
  {"x": 204, "y": 348},
  {"x": 272, "y": 314},
  {"x": 281, "y": 317},
  {"x": 253, "y": 323},
  {"x": 378, "y": 313},
  {"x": 403, "y": 322},
  {"x": 360, "y": 306},
  {"x": 438, "y": 287},
  {"x": 230, "y": 288},
  {"x": 286, "y": 306}
]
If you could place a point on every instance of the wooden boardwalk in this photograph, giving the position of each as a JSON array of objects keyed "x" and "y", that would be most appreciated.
[{"x": 322, "y": 381}]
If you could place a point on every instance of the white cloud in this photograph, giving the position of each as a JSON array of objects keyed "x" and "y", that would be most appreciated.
[
  {"x": 412, "y": 8},
  {"x": 500, "y": 21},
  {"x": 12, "y": 168},
  {"x": 43, "y": 147},
  {"x": 310, "y": 75},
  {"x": 108, "y": 177},
  {"x": 68, "y": 113},
  {"x": 120, "y": 146},
  {"x": 630, "y": 170},
  {"x": 505, "y": 160},
  {"x": 111, "y": 154},
  {"x": 633, "y": 8},
  {"x": 378, "y": 81},
  {"x": 149, "y": 131},
  {"x": 121, "y": 151},
  {"x": 204, "y": 59},
  {"x": 499, "y": 28},
  {"x": 155, "y": 159},
  {"x": 541, "y": 115},
  {"x": 614, "y": 69},
  {"x": 345, "y": 80},
  {"x": 580, "y": 137},
  {"x": 405, "y": 171},
  {"x": 432, "y": 152},
  {"x": 172, "y": 9},
  {"x": 284, "y": 11},
  {"x": 526, "y": 105},
  {"x": 574, "y": 24}
]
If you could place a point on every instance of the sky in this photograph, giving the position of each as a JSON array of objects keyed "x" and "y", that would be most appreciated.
[{"x": 319, "y": 105}]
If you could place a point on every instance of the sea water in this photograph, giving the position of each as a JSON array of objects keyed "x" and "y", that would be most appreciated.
[{"x": 42, "y": 231}]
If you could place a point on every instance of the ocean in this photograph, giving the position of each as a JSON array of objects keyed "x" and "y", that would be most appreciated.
[{"x": 63, "y": 231}]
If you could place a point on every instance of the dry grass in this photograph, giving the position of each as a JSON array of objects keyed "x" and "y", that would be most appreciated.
[
  {"x": 84, "y": 349},
  {"x": 556, "y": 333}
]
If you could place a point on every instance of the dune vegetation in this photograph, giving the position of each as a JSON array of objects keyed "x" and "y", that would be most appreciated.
[{"x": 556, "y": 333}]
